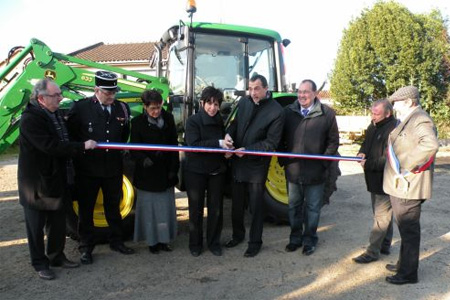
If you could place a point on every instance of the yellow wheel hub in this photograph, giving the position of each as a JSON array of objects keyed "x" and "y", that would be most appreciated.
[
  {"x": 126, "y": 204},
  {"x": 276, "y": 182}
]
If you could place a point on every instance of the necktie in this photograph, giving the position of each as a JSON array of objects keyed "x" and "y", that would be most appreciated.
[
  {"x": 105, "y": 111},
  {"x": 304, "y": 112}
]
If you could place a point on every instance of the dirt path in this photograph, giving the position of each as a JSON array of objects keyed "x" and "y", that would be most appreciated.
[{"x": 274, "y": 274}]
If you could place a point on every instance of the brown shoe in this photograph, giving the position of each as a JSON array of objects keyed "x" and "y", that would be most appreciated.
[
  {"x": 391, "y": 267},
  {"x": 46, "y": 274},
  {"x": 364, "y": 259},
  {"x": 65, "y": 263}
]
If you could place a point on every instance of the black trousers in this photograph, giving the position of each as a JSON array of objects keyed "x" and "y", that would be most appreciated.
[
  {"x": 244, "y": 193},
  {"x": 53, "y": 222},
  {"x": 87, "y": 190},
  {"x": 407, "y": 215},
  {"x": 197, "y": 186}
]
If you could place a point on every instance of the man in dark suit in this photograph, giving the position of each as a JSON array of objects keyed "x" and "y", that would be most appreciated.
[
  {"x": 257, "y": 126},
  {"x": 408, "y": 177},
  {"x": 44, "y": 175},
  {"x": 373, "y": 152},
  {"x": 107, "y": 120}
]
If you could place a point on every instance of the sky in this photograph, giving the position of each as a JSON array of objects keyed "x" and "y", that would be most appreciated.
[{"x": 314, "y": 27}]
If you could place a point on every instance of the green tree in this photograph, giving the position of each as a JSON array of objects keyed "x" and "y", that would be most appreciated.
[{"x": 388, "y": 47}]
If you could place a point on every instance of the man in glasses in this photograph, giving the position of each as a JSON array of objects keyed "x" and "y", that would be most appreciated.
[
  {"x": 105, "y": 119},
  {"x": 45, "y": 173}
]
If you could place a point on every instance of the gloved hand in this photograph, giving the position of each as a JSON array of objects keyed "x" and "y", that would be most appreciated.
[
  {"x": 147, "y": 162},
  {"x": 173, "y": 178}
]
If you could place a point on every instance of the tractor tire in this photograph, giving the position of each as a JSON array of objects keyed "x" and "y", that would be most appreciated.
[
  {"x": 127, "y": 206},
  {"x": 275, "y": 195}
]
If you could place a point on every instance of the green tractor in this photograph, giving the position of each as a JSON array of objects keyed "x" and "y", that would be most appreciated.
[{"x": 199, "y": 54}]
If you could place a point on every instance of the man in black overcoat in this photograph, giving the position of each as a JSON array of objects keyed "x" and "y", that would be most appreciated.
[
  {"x": 257, "y": 126},
  {"x": 44, "y": 174},
  {"x": 373, "y": 151}
]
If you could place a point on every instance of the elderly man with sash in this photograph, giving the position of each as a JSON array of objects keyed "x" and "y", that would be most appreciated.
[{"x": 408, "y": 177}]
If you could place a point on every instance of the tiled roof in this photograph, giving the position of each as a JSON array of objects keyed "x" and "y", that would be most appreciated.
[
  {"x": 101, "y": 52},
  {"x": 324, "y": 95}
]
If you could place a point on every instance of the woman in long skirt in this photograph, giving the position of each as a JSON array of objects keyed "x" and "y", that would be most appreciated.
[{"x": 155, "y": 175}]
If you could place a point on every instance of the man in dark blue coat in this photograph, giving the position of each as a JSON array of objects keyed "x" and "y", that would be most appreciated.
[
  {"x": 45, "y": 172},
  {"x": 257, "y": 126},
  {"x": 107, "y": 120},
  {"x": 373, "y": 152}
]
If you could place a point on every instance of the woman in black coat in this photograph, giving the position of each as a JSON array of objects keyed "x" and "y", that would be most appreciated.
[
  {"x": 204, "y": 173},
  {"x": 155, "y": 175}
]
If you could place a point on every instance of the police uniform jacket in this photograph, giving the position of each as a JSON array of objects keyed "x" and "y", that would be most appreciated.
[
  {"x": 42, "y": 166},
  {"x": 87, "y": 120},
  {"x": 256, "y": 127}
]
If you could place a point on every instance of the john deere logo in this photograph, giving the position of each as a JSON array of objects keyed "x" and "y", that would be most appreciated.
[{"x": 50, "y": 74}]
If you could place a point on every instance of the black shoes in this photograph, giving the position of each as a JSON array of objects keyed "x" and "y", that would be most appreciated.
[
  {"x": 154, "y": 249},
  {"x": 165, "y": 247},
  {"x": 232, "y": 243},
  {"x": 86, "y": 258},
  {"x": 46, "y": 274},
  {"x": 122, "y": 249},
  {"x": 391, "y": 267},
  {"x": 160, "y": 246},
  {"x": 364, "y": 259},
  {"x": 396, "y": 279},
  {"x": 216, "y": 251},
  {"x": 252, "y": 251},
  {"x": 308, "y": 250},
  {"x": 292, "y": 247},
  {"x": 196, "y": 253},
  {"x": 65, "y": 263}
]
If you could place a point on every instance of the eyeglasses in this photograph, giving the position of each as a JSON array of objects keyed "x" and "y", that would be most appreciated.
[
  {"x": 154, "y": 108},
  {"x": 108, "y": 93},
  {"x": 303, "y": 92},
  {"x": 55, "y": 95}
]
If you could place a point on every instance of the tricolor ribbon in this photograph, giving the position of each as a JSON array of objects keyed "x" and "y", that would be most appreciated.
[
  {"x": 171, "y": 148},
  {"x": 395, "y": 164}
]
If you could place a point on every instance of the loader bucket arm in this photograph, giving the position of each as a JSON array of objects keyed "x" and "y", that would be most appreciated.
[{"x": 19, "y": 74}]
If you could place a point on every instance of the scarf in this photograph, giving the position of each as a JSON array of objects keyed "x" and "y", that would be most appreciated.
[
  {"x": 158, "y": 122},
  {"x": 61, "y": 130}
]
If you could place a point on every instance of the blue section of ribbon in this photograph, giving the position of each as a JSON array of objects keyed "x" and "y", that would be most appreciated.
[{"x": 153, "y": 147}]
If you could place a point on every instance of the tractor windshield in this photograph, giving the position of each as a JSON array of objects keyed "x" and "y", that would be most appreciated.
[{"x": 223, "y": 61}]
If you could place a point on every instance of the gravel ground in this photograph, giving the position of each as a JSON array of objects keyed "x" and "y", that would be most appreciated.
[{"x": 274, "y": 274}]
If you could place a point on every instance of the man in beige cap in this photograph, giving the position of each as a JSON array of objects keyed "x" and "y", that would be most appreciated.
[{"x": 408, "y": 177}]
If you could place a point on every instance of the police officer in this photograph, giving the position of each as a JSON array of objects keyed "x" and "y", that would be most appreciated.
[{"x": 104, "y": 119}]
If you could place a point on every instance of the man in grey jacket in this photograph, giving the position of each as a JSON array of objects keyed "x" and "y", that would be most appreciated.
[{"x": 257, "y": 126}]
